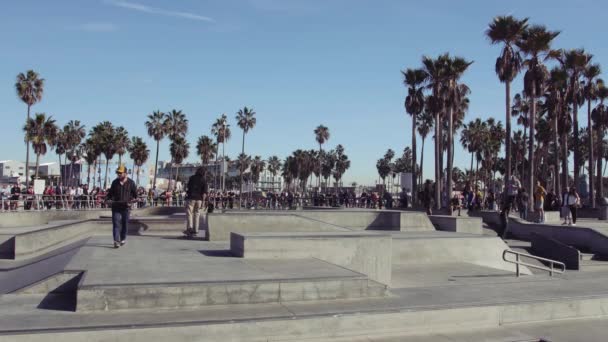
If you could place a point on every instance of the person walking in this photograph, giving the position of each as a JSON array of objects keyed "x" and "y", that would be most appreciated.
[
  {"x": 566, "y": 207},
  {"x": 574, "y": 201},
  {"x": 539, "y": 202},
  {"x": 122, "y": 193},
  {"x": 522, "y": 204},
  {"x": 196, "y": 200}
]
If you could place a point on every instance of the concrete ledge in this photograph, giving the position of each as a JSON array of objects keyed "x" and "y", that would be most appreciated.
[
  {"x": 189, "y": 295},
  {"x": 458, "y": 224},
  {"x": 547, "y": 247},
  {"x": 36, "y": 218},
  {"x": 366, "y": 253},
  {"x": 550, "y": 216},
  {"x": 220, "y": 225},
  {"x": 372, "y": 219},
  {"x": 145, "y": 226},
  {"x": 479, "y": 250}
]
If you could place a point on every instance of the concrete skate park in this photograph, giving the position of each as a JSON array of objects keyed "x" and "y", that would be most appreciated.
[{"x": 300, "y": 275}]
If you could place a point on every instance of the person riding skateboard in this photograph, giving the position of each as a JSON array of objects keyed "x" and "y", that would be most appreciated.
[
  {"x": 122, "y": 193},
  {"x": 196, "y": 198}
]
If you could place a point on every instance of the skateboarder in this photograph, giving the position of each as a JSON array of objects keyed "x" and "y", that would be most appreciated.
[
  {"x": 123, "y": 192},
  {"x": 196, "y": 198}
]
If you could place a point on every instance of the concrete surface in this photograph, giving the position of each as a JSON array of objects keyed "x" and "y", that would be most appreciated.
[
  {"x": 366, "y": 253},
  {"x": 549, "y": 248},
  {"x": 32, "y": 218},
  {"x": 459, "y": 224}
]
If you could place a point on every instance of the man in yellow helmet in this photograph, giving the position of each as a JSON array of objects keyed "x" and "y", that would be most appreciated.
[{"x": 123, "y": 192}]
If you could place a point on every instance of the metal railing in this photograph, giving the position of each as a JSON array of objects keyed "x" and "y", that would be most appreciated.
[{"x": 518, "y": 262}]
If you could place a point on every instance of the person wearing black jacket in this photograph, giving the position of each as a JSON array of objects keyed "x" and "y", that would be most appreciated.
[
  {"x": 196, "y": 197},
  {"x": 122, "y": 193}
]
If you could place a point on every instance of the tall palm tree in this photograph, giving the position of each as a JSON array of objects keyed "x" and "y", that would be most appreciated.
[
  {"x": 156, "y": 129},
  {"x": 104, "y": 133},
  {"x": 435, "y": 70},
  {"x": 206, "y": 149},
  {"x": 321, "y": 135},
  {"x": 274, "y": 166},
  {"x": 455, "y": 67},
  {"x": 91, "y": 153},
  {"x": 257, "y": 167},
  {"x": 507, "y": 30},
  {"x": 40, "y": 131},
  {"x": 424, "y": 126},
  {"x": 342, "y": 163},
  {"x": 243, "y": 162},
  {"x": 74, "y": 133},
  {"x": 177, "y": 127},
  {"x": 521, "y": 110},
  {"x": 600, "y": 116},
  {"x": 590, "y": 90},
  {"x": 59, "y": 144},
  {"x": 179, "y": 150},
  {"x": 245, "y": 120},
  {"x": 535, "y": 44},
  {"x": 555, "y": 98},
  {"x": 414, "y": 79},
  {"x": 221, "y": 130},
  {"x": 121, "y": 142},
  {"x": 139, "y": 152},
  {"x": 30, "y": 88}
]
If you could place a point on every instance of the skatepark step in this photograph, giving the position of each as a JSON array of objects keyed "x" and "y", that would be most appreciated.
[{"x": 191, "y": 295}]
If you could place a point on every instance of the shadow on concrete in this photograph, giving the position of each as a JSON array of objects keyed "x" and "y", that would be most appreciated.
[
  {"x": 59, "y": 302},
  {"x": 222, "y": 253}
]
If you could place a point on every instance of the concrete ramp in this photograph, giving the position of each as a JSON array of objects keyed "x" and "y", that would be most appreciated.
[{"x": 444, "y": 247}]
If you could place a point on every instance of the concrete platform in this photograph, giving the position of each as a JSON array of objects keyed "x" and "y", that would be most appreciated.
[
  {"x": 154, "y": 225},
  {"x": 459, "y": 224}
]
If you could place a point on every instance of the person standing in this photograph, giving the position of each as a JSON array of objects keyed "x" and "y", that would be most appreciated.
[
  {"x": 196, "y": 198},
  {"x": 539, "y": 201},
  {"x": 574, "y": 201},
  {"x": 122, "y": 192},
  {"x": 566, "y": 207}
]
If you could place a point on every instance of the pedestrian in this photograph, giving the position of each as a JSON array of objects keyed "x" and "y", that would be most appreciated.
[
  {"x": 539, "y": 202},
  {"x": 566, "y": 207},
  {"x": 196, "y": 200},
  {"x": 428, "y": 197},
  {"x": 122, "y": 193},
  {"x": 522, "y": 203},
  {"x": 574, "y": 202}
]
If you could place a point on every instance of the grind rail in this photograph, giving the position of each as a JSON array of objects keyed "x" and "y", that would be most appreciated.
[{"x": 551, "y": 269}]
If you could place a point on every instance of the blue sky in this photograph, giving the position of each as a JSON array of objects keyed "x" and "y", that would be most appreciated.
[{"x": 297, "y": 63}]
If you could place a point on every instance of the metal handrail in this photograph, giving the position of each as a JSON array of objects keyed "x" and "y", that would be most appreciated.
[{"x": 517, "y": 262}]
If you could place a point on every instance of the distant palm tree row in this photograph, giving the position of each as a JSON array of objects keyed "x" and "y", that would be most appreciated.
[{"x": 547, "y": 109}]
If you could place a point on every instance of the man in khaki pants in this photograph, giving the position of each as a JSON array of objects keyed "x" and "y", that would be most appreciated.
[{"x": 196, "y": 199}]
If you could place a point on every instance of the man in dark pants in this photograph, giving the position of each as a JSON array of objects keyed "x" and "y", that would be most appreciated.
[
  {"x": 122, "y": 193},
  {"x": 196, "y": 201}
]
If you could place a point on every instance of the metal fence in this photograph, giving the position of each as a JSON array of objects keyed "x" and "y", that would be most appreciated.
[{"x": 28, "y": 202}]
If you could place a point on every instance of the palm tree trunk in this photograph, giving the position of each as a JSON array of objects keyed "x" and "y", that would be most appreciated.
[
  {"x": 320, "y": 164},
  {"x": 558, "y": 189},
  {"x": 576, "y": 140},
  {"x": 421, "y": 163},
  {"x": 37, "y": 163},
  {"x": 156, "y": 165},
  {"x": 600, "y": 152},
  {"x": 450, "y": 179},
  {"x": 414, "y": 178},
  {"x": 88, "y": 175},
  {"x": 471, "y": 169},
  {"x": 590, "y": 129},
  {"x": 241, "y": 171},
  {"x": 27, "y": 151},
  {"x": 437, "y": 165},
  {"x": 531, "y": 146},
  {"x": 223, "y": 162},
  {"x": 176, "y": 174},
  {"x": 508, "y": 128},
  {"x": 105, "y": 179},
  {"x": 564, "y": 146},
  {"x": 170, "y": 174},
  {"x": 137, "y": 176}
]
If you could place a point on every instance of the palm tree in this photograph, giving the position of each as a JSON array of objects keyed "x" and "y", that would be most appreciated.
[
  {"x": 321, "y": 135},
  {"x": 104, "y": 133},
  {"x": 274, "y": 166},
  {"x": 257, "y": 167},
  {"x": 414, "y": 79},
  {"x": 243, "y": 162},
  {"x": 221, "y": 130},
  {"x": 139, "y": 153},
  {"x": 600, "y": 116},
  {"x": 74, "y": 133},
  {"x": 507, "y": 30},
  {"x": 177, "y": 127},
  {"x": 424, "y": 125},
  {"x": 535, "y": 44},
  {"x": 246, "y": 120},
  {"x": 156, "y": 129},
  {"x": 455, "y": 66},
  {"x": 591, "y": 73},
  {"x": 328, "y": 163},
  {"x": 206, "y": 149},
  {"x": 91, "y": 153},
  {"x": 342, "y": 163},
  {"x": 179, "y": 150},
  {"x": 30, "y": 88},
  {"x": 59, "y": 144},
  {"x": 121, "y": 142},
  {"x": 40, "y": 131},
  {"x": 575, "y": 62}
]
